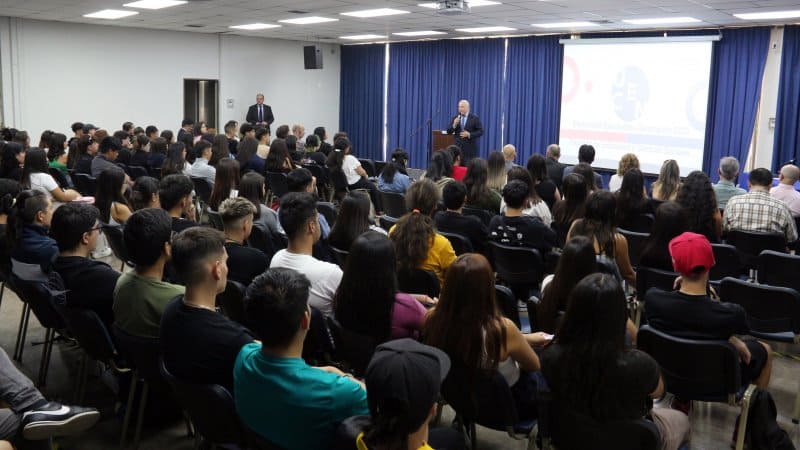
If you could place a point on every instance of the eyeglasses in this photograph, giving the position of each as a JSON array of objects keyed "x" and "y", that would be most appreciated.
[{"x": 99, "y": 228}]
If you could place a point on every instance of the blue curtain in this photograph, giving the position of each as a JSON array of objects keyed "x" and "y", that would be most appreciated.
[
  {"x": 787, "y": 120},
  {"x": 361, "y": 98},
  {"x": 737, "y": 67},
  {"x": 532, "y": 94},
  {"x": 426, "y": 81}
]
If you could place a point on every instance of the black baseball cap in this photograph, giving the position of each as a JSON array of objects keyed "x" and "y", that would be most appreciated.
[{"x": 403, "y": 380}]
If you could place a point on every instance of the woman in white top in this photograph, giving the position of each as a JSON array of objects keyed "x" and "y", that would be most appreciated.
[
  {"x": 341, "y": 159},
  {"x": 35, "y": 175},
  {"x": 483, "y": 338},
  {"x": 537, "y": 207},
  {"x": 110, "y": 199},
  {"x": 627, "y": 162}
]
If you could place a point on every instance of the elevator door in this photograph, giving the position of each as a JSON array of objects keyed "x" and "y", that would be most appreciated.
[{"x": 200, "y": 101}]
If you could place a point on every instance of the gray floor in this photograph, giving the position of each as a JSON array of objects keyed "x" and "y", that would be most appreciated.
[{"x": 712, "y": 424}]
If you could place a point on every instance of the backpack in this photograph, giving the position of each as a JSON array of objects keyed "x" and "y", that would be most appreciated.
[{"x": 763, "y": 432}]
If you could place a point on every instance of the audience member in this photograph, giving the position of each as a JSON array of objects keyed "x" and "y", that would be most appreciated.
[
  {"x": 226, "y": 182},
  {"x": 57, "y": 155},
  {"x": 758, "y": 211},
  {"x": 555, "y": 170},
  {"x": 175, "y": 162},
  {"x": 144, "y": 193},
  {"x": 666, "y": 187},
  {"x": 298, "y": 217},
  {"x": 726, "y": 187},
  {"x": 201, "y": 167},
  {"x": 278, "y": 395},
  {"x": 291, "y": 146},
  {"x": 452, "y": 219},
  {"x": 440, "y": 169},
  {"x": 253, "y": 188},
  {"x": 416, "y": 241},
  {"x": 394, "y": 177},
  {"x": 77, "y": 132},
  {"x": 28, "y": 225},
  {"x": 151, "y": 131},
  {"x": 109, "y": 150},
  {"x": 168, "y": 136},
  {"x": 22, "y": 138},
  {"x": 536, "y": 206},
  {"x": 509, "y": 155},
  {"x": 516, "y": 229},
  {"x": 246, "y": 262},
  {"x": 220, "y": 149},
  {"x": 547, "y": 190},
  {"x": 371, "y": 305},
  {"x": 671, "y": 221},
  {"x": 352, "y": 221},
  {"x": 571, "y": 208},
  {"x": 9, "y": 190},
  {"x": 89, "y": 284},
  {"x": 231, "y": 129},
  {"x": 140, "y": 295},
  {"x": 627, "y": 162},
  {"x": 13, "y": 159},
  {"x": 459, "y": 170},
  {"x": 175, "y": 196},
  {"x": 342, "y": 159},
  {"x": 479, "y": 195},
  {"x": 496, "y": 177},
  {"x": 632, "y": 200},
  {"x": 697, "y": 197},
  {"x": 586, "y": 154},
  {"x": 199, "y": 344},
  {"x": 158, "y": 153},
  {"x": 110, "y": 197},
  {"x": 278, "y": 159},
  {"x": 590, "y": 371},
  {"x": 586, "y": 171},
  {"x": 36, "y": 176},
  {"x": 248, "y": 156},
  {"x": 263, "y": 137},
  {"x": 324, "y": 147},
  {"x": 141, "y": 152},
  {"x": 313, "y": 152},
  {"x": 785, "y": 190},
  {"x": 301, "y": 180},
  {"x": 299, "y": 132}
]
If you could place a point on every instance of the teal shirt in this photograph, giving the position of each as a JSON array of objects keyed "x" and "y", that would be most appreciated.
[
  {"x": 724, "y": 190},
  {"x": 290, "y": 403}
]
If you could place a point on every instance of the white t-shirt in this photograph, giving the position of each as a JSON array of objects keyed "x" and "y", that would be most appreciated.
[
  {"x": 324, "y": 277},
  {"x": 615, "y": 183},
  {"x": 43, "y": 182},
  {"x": 349, "y": 166},
  {"x": 539, "y": 210}
]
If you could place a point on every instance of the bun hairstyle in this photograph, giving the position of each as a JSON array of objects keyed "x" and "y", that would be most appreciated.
[
  {"x": 9, "y": 189},
  {"x": 23, "y": 212}
]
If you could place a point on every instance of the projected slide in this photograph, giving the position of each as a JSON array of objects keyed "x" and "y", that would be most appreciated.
[{"x": 647, "y": 98}]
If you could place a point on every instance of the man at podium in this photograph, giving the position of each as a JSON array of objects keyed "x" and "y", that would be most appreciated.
[{"x": 467, "y": 128}]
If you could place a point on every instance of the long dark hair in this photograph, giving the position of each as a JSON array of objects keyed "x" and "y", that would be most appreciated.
[
  {"x": 227, "y": 179},
  {"x": 352, "y": 220},
  {"x": 364, "y": 304},
  {"x": 476, "y": 181},
  {"x": 251, "y": 187},
  {"x": 697, "y": 197},
  {"x": 414, "y": 233},
  {"x": 397, "y": 163},
  {"x": 572, "y": 207},
  {"x": 630, "y": 197},
  {"x": 599, "y": 221},
  {"x": 577, "y": 261},
  {"x": 35, "y": 162},
  {"x": 341, "y": 147},
  {"x": 109, "y": 191},
  {"x": 592, "y": 335},
  {"x": 175, "y": 162},
  {"x": 466, "y": 323},
  {"x": 537, "y": 167},
  {"x": 246, "y": 149},
  {"x": 671, "y": 221},
  {"x": 521, "y": 174},
  {"x": 277, "y": 157},
  {"x": 29, "y": 203},
  {"x": 587, "y": 172},
  {"x": 55, "y": 148},
  {"x": 9, "y": 161},
  {"x": 220, "y": 149},
  {"x": 440, "y": 166},
  {"x": 142, "y": 192}
]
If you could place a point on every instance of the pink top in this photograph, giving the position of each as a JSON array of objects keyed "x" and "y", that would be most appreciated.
[
  {"x": 787, "y": 194},
  {"x": 407, "y": 317},
  {"x": 459, "y": 172}
]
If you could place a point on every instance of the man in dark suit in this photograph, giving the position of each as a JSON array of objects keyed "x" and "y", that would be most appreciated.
[
  {"x": 187, "y": 125},
  {"x": 555, "y": 170},
  {"x": 585, "y": 155},
  {"x": 260, "y": 115},
  {"x": 468, "y": 128}
]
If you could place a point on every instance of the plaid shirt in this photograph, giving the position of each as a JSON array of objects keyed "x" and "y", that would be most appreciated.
[{"x": 758, "y": 211}]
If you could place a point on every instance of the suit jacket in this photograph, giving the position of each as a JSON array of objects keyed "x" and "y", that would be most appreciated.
[
  {"x": 252, "y": 115},
  {"x": 555, "y": 171},
  {"x": 469, "y": 146},
  {"x": 598, "y": 180}
]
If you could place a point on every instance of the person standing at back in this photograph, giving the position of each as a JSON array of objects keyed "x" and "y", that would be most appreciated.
[
  {"x": 260, "y": 115},
  {"x": 468, "y": 128}
]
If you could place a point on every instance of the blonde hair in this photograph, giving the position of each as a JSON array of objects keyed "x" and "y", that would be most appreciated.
[{"x": 627, "y": 162}]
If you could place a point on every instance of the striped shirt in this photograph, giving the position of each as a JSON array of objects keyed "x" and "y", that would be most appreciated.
[{"x": 758, "y": 211}]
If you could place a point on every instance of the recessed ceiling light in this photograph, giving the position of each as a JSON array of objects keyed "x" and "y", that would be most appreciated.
[
  {"x": 375, "y": 12},
  {"x": 155, "y": 4},
  {"x": 419, "y": 33},
  {"x": 485, "y": 29},
  {"x": 769, "y": 15},
  {"x": 662, "y": 21},
  {"x": 308, "y": 20},
  {"x": 255, "y": 26},
  {"x": 360, "y": 37},
  {"x": 472, "y": 4},
  {"x": 110, "y": 14},
  {"x": 565, "y": 25}
]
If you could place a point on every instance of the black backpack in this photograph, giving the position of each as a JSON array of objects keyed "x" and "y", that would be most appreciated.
[{"x": 763, "y": 432}]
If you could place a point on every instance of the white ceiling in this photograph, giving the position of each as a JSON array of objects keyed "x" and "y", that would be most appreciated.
[{"x": 215, "y": 16}]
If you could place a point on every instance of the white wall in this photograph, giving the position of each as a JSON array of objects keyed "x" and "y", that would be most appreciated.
[
  {"x": 763, "y": 134},
  {"x": 56, "y": 73}
]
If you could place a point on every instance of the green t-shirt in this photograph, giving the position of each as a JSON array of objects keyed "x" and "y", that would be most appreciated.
[
  {"x": 140, "y": 301},
  {"x": 290, "y": 403}
]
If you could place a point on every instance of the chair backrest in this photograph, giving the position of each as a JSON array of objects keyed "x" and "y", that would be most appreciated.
[
  {"x": 40, "y": 299},
  {"x": 202, "y": 187},
  {"x": 779, "y": 269},
  {"x": 770, "y": 309},
  {"x": 379, "y": 166},
  {"x": 85, "y": 183},
  {"x": 340, "y": 255},
  {"x": 693, "y": 369},
  {"x": 387, "y": 222},
  {"x": 641, "y": 223},
  {"x": 262, "y": 239},
  {"x": 339, "y": 180},
  {"x": 418, "y": 281},
  {"x": 480, "y": 396},
  {"x": 482, "y": 214},
  {"x": 139, "y": 171},
  {"x": 319, "y": 172},
  {"x": 211, "y": 408},
  {"x": 59, "y": 177},
  {"x": 507, "y": 303},
  {"x": 114, "y": 236},
  {"x": 394, "y": 204},
  {"x": 328, "y": 210},
  {"x": 636, "y": 243},
  {"x": 90, "y": 332},
  {"x": 460, "y": 243},
  {"x": 750, "y": 244},
  {"x": 215, "y": 219},
  {"x": 647, "y": 277},
  {"x": 352, "y": 349},
  {"x": 347, "y": 432},
  {"x": 726, "y": 262},
  {"x": 277, "y": 183},
  {"x": 141, "y": 352},
  {"x": 369, "y": 167},
  {"x": 517, "y": 265},
  {"x": 231, "y": 301}
]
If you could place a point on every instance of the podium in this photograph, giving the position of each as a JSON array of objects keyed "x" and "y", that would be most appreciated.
[{"x": 441, "y": 140}]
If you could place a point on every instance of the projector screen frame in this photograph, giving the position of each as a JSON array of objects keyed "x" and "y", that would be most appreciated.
[{"x": 641, "y": 40}]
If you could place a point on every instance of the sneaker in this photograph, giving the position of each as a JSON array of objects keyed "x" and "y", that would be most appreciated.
[{"x": 54, "y": 419}]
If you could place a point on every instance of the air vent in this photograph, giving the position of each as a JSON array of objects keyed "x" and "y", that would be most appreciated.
[
  {"x": 602, "y": 22},
  {"x": 194, "y": 25},
  {"x": 297, "y": 11}
]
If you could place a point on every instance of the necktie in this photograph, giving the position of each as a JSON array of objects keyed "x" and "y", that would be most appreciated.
[
  {"x": 463, "y": 122},
  {"x": 260, "y": 113}
]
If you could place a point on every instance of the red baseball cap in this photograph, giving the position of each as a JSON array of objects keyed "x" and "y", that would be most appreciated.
[{"x": 691, "y": 254}]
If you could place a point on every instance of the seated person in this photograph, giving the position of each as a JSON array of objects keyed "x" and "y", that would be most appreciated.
[
  {"x": 299, "y": 218},
  {"x": 301, "y": 180},
  {"x": 590, "y": 373},
  {"x": 514, "y": 228},
  {"x": 199, "y": 344},
  {"x": 109, "y": 150},
  {"x": 758, "y": 210},
  {"x": 31, "y": 215},
  {"x": 90, "y": 284},
  {"x": 452, "y": 220},
  {"x": 690, "y": 312},
  {"x": 201, "y": 168},
  {"x": 278, "y": 395},
  {"x": 394, "y": 177},
  {"x": 87, "y": 148},
  {"x": 175, "y": 195},
  {"x": 141, "y": 296},
  {"x": 671, "y": 221},
  {"x": 403, "y": 381},
  {"x": 245, "y": 262}
]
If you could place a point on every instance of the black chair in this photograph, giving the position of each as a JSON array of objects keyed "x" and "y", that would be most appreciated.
[
  {"x": 339, "y": 183},
  {"x": 117, "y": 243},
  {"x": 700, "y": 370},
  {"x": 636, "y": 243},
  {"x": 203, "y": 189},
  {"x": 641, "y": 223},
  {"x": 647, "y": 277},
  {"x": 507, "y": 304},
  {"x": 369, "y": 167},
  {"x": 379, "y": 166},
  {"x": 773, "y": 312},
  {"x": 215, "y": 219},
  {"x": 265, "y": 240},
  {"x": 460, "y": 243},
  {"x": 328, "y": 210},
  {"x": 394, "y": 204},
  {"x": 387, "y": 222},
  {"x": 750, "y": 244},
  {"x": 138, "y": 171},
  {"x": 231, "y": 301},
  {"x": 351, "y": 349},
  {"x": 324, "y": 187},
  {"x": 779, "y": 269},
  {"x": 418, "y": 281},
  {"x": 726, "y": 263},
  {"x": 85, "y": 183},
  {"x": 484, "y": 398},
  {"x": 277, "y": 184},
  {"x": 340, "y": 255},
  {"x": 482, "y": 214},
  {"x": 520, "y": 268},
  {"x": 59, "y": 177},
  {"x": 211, "y": 410}
]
